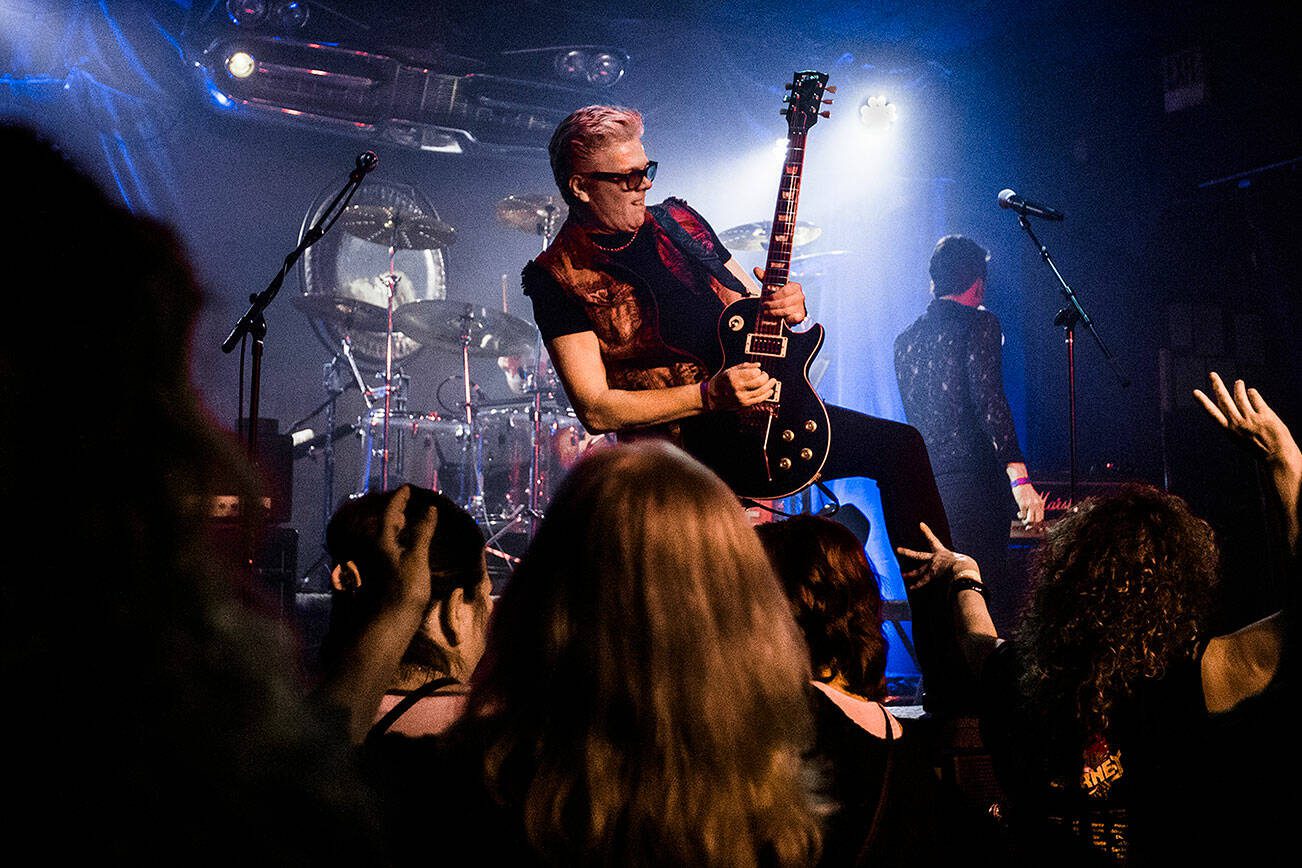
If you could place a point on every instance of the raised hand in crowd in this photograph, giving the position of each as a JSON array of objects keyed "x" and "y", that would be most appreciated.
[
  {"x": 938, "y": 563},
  {"x": 1251, "y": 421},
  {"x": 364, "y": 670}
]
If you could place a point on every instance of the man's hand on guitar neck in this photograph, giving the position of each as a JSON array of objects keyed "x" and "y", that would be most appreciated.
[
  {"x": 786, "y": 302},
  {"x": 742, "y": 385}
]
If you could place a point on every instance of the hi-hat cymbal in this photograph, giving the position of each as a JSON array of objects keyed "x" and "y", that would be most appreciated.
[
  {"x": 352, "y": 313},
  {"x": 755, "y": 236},
  {"x": 390, "y": 225},
  {"x": 440, "y": 324},
  {"x": 535, "y": 213}
]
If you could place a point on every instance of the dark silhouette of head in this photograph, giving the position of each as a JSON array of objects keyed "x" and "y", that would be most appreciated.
[
  {"x": 458, "y": 575},
  {"x": 170, "y": 723},
  {"x": 956, "y": 262},
  {"x": 836, "y": 597}
]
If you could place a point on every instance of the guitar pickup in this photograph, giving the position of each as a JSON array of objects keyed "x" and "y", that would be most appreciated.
[{"x": 774, "y": 346}]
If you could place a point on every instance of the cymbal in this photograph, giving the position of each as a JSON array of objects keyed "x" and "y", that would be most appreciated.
[
  {"x": 388, "y": 224},
  {"x": 755, "y": 236},
  {"x": 440, "y": 323},
  {"x": 808, "y": 265},
  {"x": 529, "y": 212},
  {"x": 350, "y": 312}
]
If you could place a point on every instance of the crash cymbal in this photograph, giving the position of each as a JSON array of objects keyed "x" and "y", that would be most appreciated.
[
  {"x": 440, "y": 323},
  {"x": 530, "y": 212},
  {"x": 755, "y": 236},
  {"x": 352, "y": 313},
  {"x": 387, "y": 224},
  {"x": 810, "y": 265}
]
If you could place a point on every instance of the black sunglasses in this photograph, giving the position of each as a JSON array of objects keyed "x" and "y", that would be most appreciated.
[{"x": 631, "y": 179}]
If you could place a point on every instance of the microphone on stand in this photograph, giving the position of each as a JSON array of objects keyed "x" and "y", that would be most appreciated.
[
  {"x": 366, "y": 161},
  {"x": 1009, "y": 199}
]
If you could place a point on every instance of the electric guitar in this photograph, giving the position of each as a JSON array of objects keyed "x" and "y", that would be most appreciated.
[{"x": 778, "y": 447}]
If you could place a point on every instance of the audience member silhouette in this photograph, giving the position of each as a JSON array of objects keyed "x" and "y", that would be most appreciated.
[
  {"x": 881, "y": 786},
  {"x": 165, "y": 723},
  {"x": 1102, "y": 713},
  {"x": 641, "y": 700},
  {"x": 429, "y": 689}
]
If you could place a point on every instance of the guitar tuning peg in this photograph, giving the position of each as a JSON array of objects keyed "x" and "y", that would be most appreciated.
[
  {"x": 782, "y": 112},
  {"x": 824, "y": 114},
  {"x": 831, "y": 88},
  {"x": 787, "y": 86},
  {"x": 827, "y": 102}
]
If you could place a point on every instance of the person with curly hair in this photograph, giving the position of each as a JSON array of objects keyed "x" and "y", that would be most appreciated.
[{"x": 1099, "y": 712}]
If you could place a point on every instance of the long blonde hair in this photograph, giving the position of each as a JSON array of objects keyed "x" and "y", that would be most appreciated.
[{"x": 642, "y": 698}]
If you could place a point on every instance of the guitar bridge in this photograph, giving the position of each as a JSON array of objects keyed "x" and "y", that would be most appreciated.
[
  {"x": 777, "y": 393},
  {"x": 774, "y": 346}
]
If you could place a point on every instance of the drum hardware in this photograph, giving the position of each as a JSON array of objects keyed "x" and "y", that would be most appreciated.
[{"x": 755, "y": 236}]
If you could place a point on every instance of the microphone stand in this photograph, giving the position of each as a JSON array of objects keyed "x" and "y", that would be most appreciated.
[
  {"x": 1067, "y": 318},
  {"x": 255, "y": 324}
]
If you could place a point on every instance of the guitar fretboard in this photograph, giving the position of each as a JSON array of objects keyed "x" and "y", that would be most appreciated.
[{"x": 777, "y": 267}]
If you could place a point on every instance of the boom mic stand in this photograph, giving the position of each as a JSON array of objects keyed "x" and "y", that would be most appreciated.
[
  {"x": 255, "y": 324},
  {"x": 1067, "y": 318}
]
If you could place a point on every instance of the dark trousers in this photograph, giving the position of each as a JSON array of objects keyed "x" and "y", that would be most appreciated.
[
  {"x": 893, "y": 455},
  {"x": 980, "y": 507}
]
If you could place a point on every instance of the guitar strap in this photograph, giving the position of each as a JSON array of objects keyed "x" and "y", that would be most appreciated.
[{"x": 684, "y": 241}]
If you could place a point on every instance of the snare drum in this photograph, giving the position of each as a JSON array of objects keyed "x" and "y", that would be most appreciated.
[{"x": 419, "y": 445}]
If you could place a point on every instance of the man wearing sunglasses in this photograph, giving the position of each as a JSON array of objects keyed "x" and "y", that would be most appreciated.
[{"x": 627, "y": 298}]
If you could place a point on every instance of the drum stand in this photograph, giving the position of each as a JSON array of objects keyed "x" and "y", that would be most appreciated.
[
  {"x": 534, "y": 385},
  {"x": 391, "y": 281}
]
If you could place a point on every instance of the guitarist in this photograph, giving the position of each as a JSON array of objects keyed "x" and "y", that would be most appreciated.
[{"x": 627, "y": 298}]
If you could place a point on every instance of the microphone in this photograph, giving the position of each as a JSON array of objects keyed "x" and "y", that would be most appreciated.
[
  {"x": 366, "y": 161},
  {"x": 1009, "y": 199}
]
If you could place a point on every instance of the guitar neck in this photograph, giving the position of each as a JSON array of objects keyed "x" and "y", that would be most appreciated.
[{"x": 777, "y": 266}]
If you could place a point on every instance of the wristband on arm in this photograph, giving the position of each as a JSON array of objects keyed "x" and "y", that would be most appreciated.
[{"x": 1021, "y": 480}]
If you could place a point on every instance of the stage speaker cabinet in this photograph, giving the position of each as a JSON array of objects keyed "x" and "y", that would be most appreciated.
[
  {"x": 275, "y": 474},
  {"x": 275, "y": 561}
]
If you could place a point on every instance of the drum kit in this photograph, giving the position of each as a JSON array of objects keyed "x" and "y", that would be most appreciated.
[{"x": 501, "y": 460}]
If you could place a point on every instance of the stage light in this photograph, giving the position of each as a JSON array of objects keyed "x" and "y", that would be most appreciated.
[
  {"x": 246, "y": 13},
  {"x": 240, "y": 64},
  {"x": 572, "y": 65},
  {"x": 877, "y": 113},
  {"x": 604, "y": 69},
  {"x": 292, "y": 14},
  {"x": 600, "y": 68}
]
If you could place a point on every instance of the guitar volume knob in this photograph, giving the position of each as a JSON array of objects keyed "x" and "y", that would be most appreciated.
[
  {"x": 811, "y": 426},
  {"x": 788, "y": 435},
  {"x": 784, "y": 464},
  {"x": 806, "y": 454}
]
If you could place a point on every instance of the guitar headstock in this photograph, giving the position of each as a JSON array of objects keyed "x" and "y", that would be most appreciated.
[{"x": 805, "y": 101}]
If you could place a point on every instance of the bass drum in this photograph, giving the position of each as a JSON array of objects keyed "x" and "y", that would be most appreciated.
[{"x": 508, "y": 455}]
